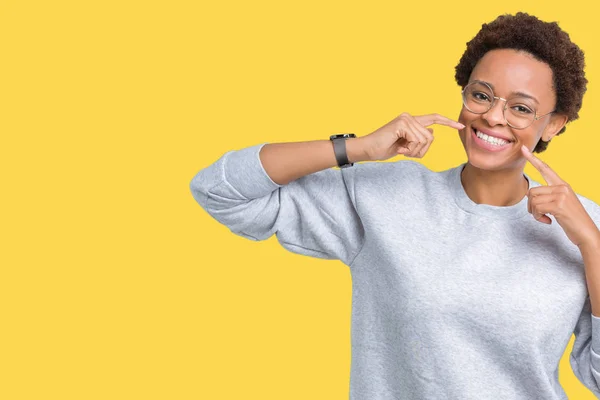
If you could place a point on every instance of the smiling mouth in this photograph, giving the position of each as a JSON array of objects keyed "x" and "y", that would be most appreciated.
[{"x": 475, "y": 131}]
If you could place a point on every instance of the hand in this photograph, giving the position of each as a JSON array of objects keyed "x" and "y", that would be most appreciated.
[
  {"x": 559, "y": 200},
  {"x": 406, "y": 135}
]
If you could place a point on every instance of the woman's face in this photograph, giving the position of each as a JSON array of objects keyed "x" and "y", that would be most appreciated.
[{"x": 508, "y": 71}]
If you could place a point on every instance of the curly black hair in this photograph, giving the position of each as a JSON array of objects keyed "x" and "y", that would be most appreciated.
[{"x": 546, "y": 42}]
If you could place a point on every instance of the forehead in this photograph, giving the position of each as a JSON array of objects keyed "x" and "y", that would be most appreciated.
[{"x": 511, "y": 71}]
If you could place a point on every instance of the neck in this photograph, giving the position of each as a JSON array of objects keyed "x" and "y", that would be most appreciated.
[{"x": 501, "y": 188}]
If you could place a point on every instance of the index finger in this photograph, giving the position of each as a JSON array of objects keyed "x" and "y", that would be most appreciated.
[{"x": 430, "y": 119}]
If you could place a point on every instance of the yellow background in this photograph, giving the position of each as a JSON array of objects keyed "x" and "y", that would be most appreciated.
[{"x": 115, "y": 284}]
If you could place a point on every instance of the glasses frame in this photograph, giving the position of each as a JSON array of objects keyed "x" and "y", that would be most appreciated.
[{"x": 535, "y": 116}]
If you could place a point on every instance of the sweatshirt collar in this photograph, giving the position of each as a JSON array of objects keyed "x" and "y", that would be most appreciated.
[{"x": 464, "y": 201}]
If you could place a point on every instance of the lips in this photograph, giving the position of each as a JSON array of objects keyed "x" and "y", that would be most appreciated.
[{"x": 498, "y": 136}]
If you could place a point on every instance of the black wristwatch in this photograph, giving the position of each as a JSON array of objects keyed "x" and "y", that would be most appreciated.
[{"x": 339, "y": 148}]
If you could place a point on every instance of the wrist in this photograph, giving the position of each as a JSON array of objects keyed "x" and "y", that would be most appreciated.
[
  {"x": 355, "y": 150},
  {"x": 592, "y": 243}
]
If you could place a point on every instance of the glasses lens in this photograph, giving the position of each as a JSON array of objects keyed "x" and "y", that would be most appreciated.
[
  {"x": 478, "y": 97},
  {"x": 519, "y": 113}
]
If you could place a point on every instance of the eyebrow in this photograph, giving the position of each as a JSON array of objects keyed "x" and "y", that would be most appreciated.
[{"x": 521, "y": 94}]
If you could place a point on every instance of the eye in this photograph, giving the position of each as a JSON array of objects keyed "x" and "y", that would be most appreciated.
[
  {"x": 480, "y": 96},
  {"x": 522, "y": 109}
]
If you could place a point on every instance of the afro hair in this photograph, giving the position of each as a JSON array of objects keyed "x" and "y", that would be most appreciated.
[{"x": 546, "y": 42}]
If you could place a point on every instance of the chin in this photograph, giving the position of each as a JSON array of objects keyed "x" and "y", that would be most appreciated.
[
  {"x": 493, "y": 162},
  {"x": 486, "y": 163}
]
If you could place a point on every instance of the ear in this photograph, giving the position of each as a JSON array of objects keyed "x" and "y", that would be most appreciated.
[{"x": 557, "y": 121}]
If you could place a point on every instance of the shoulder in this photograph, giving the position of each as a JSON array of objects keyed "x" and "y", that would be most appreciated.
[{"x": 383, "y": 179}]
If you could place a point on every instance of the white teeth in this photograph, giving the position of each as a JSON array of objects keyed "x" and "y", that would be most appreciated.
[{"x": 490, "y": 139}]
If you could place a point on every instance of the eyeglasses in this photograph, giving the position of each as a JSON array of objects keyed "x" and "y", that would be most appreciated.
[{"x": 478, "y": 97}]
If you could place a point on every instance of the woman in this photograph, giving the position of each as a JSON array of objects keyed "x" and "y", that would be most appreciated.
[{"x": 463, "y": 287}]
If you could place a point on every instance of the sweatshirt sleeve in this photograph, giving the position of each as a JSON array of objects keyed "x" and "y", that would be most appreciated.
[
  {"x": 314, "y": 215},
  {"x": 585, "y": 356}
]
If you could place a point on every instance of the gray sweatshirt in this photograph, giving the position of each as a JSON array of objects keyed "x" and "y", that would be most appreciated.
[{"x": 450, "y": 299}]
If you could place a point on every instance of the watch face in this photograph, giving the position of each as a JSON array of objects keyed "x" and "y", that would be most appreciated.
[{"x": 343, "y": 135}]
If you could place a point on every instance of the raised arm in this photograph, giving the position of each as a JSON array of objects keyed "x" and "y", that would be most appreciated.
[
  {"x": 285, "y": 162},
  {"x": 314, "y": 214}
]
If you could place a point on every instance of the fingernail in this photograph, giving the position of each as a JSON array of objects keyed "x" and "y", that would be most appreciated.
[
  {"x": 461, "y": 126},
  {"x": 525, "y": 148}
]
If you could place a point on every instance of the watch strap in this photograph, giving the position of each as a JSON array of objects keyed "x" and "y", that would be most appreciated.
[{"x": 339, "y": 148}]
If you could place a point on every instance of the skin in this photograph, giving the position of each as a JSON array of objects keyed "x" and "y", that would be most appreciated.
[{"x": 496, "y": 178}]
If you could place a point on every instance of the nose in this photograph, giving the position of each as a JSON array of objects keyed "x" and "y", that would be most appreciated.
[{"x": 495, "y": 115}]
